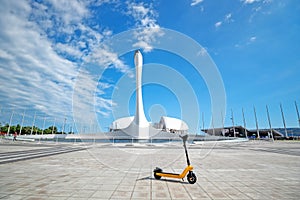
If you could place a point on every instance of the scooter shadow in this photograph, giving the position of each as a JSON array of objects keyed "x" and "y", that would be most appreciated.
[{"x": 165, "y": 180}]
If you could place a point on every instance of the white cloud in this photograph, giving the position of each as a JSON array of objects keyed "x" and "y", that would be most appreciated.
[
  {"x": 202, "y": 52},
  {"x": 31, "y": 63},
  {"x": 196, "y": 2},
  {"x": 67, "y": 9},
  {"x": 40, "y": 51},
  {"x": 218, "y": 24},
  {"x": 246, "y": 42},
  {"x": 227, "y": 19},
  {"x": 253, "y": 1},
  {"x": 249, "y": 1},
  {"x": 148, "y": 29},
  {"x": 261, "y": 7},
  {"x": 104, "y": 57},
  {"x": 252, "y": 39}
]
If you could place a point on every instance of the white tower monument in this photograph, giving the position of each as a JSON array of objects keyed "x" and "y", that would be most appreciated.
[
  {"x": 137, "y": 126},
  {"x": 139, "y": 118}
]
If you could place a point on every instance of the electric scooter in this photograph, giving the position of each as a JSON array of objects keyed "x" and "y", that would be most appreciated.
[{"x": 191, "y": 177}]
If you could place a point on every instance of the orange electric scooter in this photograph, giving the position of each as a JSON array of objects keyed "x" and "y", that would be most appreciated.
[{"x": 191, "y": 177}]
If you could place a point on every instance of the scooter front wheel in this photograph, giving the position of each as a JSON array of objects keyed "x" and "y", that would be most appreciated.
[{"x": 191, "y": 177}]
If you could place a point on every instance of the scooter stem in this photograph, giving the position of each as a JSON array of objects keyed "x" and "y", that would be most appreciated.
[{"x": 184, "y": 139}]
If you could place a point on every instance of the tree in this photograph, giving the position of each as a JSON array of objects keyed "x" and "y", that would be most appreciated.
[
  {"x": 48, "y": 131},
  {"x": 18, "y": 127},
  {"x": 26, "y": 130},
  {"x": 54, "y": 129},
  {"x": 4, "y": 128}
]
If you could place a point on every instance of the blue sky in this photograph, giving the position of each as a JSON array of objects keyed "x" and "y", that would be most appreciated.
[{"x": 56, "y": 63}]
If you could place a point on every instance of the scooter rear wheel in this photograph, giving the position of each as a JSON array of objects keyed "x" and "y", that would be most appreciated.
[
  {"x": 157, "y": 170},
  {"x": 191, "y": 177},
  {"x": 156, "y": 176}
]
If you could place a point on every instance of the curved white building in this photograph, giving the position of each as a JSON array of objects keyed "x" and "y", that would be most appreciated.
[
  {"x": 173, "y": 125},
  {"x": 138, "y": 126},
  {"x": 121, "y": 123}
]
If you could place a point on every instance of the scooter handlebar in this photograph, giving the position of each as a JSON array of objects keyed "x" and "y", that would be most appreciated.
[{"x": 184, "y": 137}]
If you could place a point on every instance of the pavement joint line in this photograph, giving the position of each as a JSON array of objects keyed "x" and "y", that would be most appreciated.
[
  {"x": 184, "y": 186},
  {"x": 116, "y": 189},
  {"x": 34, "y": 152},
  {"x": 133, "y": 189},
  {"x": 39, "y": 155}
]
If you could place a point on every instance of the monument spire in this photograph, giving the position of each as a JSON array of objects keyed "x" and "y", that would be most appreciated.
[{"x": 139, "y": 118}]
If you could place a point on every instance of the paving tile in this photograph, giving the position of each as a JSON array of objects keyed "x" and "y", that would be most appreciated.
[
  {"x": 256, "y": 195},
  {"x": 105, "y": 194},
  {"x": 141, "y": 195},
  {"x": 199, "y": 195},
  {"x": 108, "y": 187},
  {"x": 161, "y": 195},
  {"x": 36, "y": 197},
  {"x": 83, "y": 194},
  {"x": 218, "y": 195},
  {"x": 121, "y": 195},
  {"x": 179, "y": 195},
  {"x": 12, "y": 197},
  {"x": 125, "y": 188}
]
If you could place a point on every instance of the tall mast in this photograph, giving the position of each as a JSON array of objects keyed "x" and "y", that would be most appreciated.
[
  {"x": 233, "y": 123},
  {"x": 203, "y": 121},
  {"x": 297, "y": 113},
  {"x": 33, "y": 123},
  {"x": 11, "y": 116},
  {"x": 244, "y": 123},
  {"x": 269, "y": 120},
  {"x": 257, "y": 130},
  {"x": 22, "y": 123},
  {"x": 283, "y": 120}
]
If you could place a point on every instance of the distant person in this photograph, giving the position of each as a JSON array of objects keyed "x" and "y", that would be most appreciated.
[{"x": 15, "y": 136}]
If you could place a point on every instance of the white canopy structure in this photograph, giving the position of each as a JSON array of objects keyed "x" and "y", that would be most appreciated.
[
  {"x": 170, "y": 124},
  {"x": 121, "y": 123}
]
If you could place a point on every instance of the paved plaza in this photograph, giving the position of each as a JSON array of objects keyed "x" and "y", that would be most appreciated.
[{"x": 235, "y": 170}]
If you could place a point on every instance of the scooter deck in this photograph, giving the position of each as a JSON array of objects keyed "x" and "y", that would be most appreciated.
[{"x": 168, "y": 173}]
